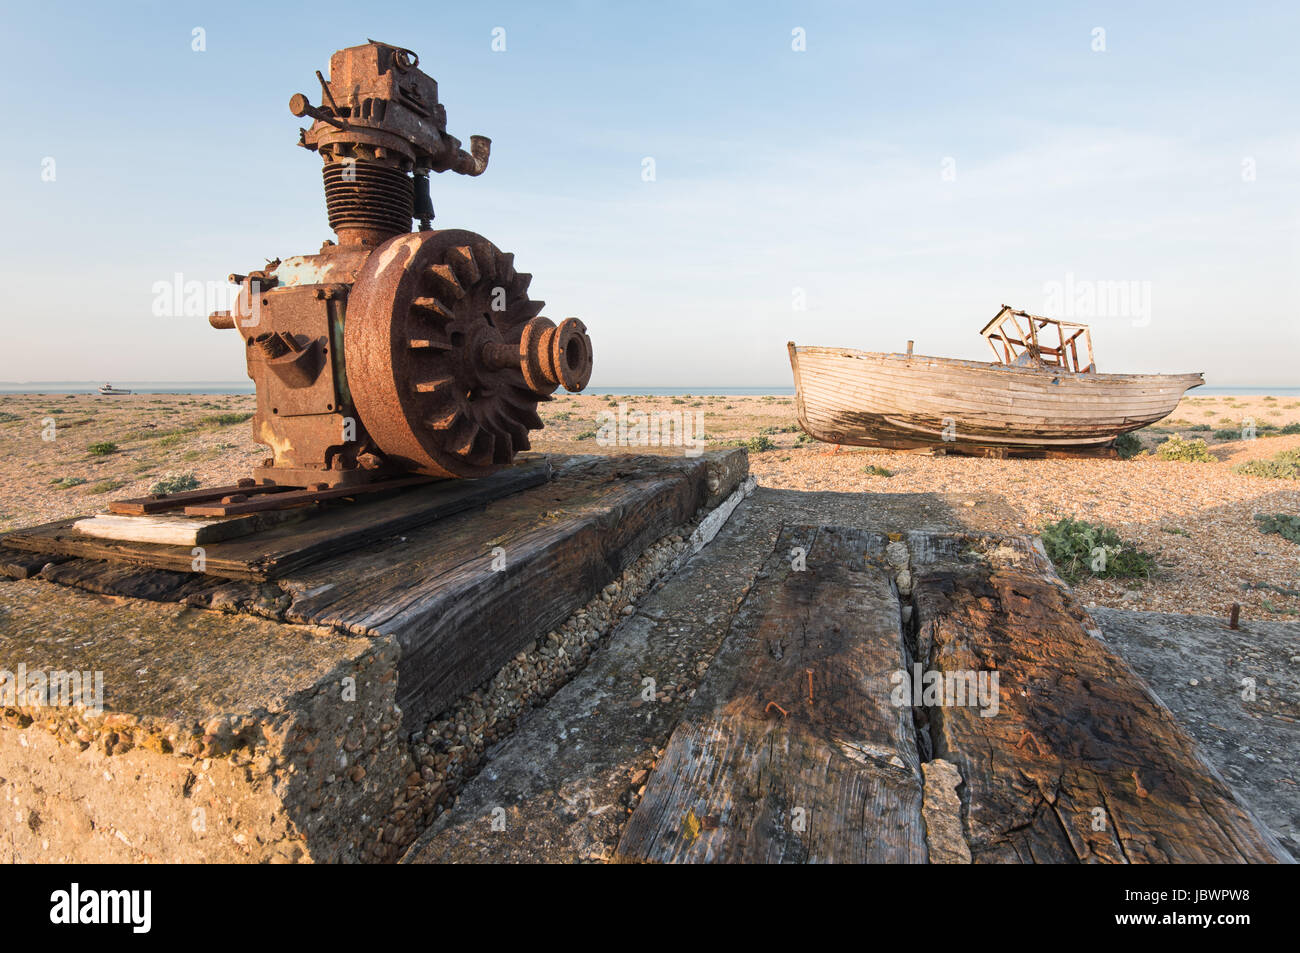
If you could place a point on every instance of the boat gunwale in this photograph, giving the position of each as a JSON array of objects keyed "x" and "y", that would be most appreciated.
[{"x": 1198, "y": 377}]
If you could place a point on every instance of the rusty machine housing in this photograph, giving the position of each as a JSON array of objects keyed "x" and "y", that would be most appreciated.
[{"x": 391, "y": 352}]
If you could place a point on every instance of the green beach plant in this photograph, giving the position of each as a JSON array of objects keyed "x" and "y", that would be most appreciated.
[
  {"x": 1079, "y": 550},
  {"x": 226, "y": 420},
  {"x": 1283, "y": 466},
  {"x": 1288, "y": 527},
  {"x": 175, "y": 483},
  {"x": 1176, "y": 447},
  {"x": 1128, "y": 445}
]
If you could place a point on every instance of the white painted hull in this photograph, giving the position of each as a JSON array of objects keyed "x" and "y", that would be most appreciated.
[{"x": 906, "y": 401}]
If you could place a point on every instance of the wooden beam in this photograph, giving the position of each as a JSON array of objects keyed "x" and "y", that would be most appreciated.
[
  {"x": 17, "y": 564},
  {"x": 142, "y": 505},
  {"x": 792, "y": 750},
  {"x": 1080, "y": 762},
  {"x": 464, "y": 595},
  {"x": 1065, "y": 756}
]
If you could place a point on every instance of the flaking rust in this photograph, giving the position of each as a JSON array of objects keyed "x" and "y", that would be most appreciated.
[{"x": 392, "y": 352}]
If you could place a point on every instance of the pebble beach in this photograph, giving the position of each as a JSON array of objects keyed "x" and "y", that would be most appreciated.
[{"x": 1197, "y": 519}]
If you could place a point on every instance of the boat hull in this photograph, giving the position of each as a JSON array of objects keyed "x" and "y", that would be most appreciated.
[{"x": 907, "y": 402}]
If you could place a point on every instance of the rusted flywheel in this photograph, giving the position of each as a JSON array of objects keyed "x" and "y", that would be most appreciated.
[{"x": 446, "y": 356}]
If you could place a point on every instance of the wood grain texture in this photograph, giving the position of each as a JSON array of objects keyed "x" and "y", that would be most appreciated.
[
  {"x": 137, "y": 582},
  {"x": 18, "y": 564},
  {"x": 1081, "y": 762},
  {"x": 191, "y": 531},
  {"x": 835, "y": 779},
  {"x": 464, "y": 595},
  {"x": 1077, "y": 761}
]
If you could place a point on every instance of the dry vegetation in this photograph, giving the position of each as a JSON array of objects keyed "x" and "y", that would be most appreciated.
[{"x": 1196, "y": 518}]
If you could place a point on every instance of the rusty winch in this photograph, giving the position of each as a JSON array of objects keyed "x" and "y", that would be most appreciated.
[{"x": 392, "y": 352}]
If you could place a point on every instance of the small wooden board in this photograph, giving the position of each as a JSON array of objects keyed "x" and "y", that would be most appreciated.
[
  {"x": 237, "y": 504},
  {"x": 791, "y": 750},
  {"x": 162, "y": 502},
  {"x": 186, "y": 530}
]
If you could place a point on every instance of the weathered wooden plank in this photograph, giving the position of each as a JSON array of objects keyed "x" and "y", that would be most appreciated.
[
  {"x": 1077, "y": 760},
  {"x": 301, "y": 497},
  {"x": 792, "y": 750},
  {"x": 465, "y": 595},
  {"x": 124, "y": 579},
  {"x": 186, "y": 530},
  {"x": 17, "y": 564},
  {"x": 142, "y": 505},
  {"x": 285, "y": 548}
]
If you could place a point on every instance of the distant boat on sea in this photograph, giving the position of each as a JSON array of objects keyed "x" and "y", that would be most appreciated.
[
  {"x": 1038, "y": 399},
  {"x": 110, "y": 389}
]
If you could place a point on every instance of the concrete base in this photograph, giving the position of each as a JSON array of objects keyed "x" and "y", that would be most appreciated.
[
  {"x": 222, "y": 738},
  {"x": 275, "y": 722}
]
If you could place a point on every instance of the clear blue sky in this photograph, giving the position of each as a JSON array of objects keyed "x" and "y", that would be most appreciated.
[{"x": 776, "y": 170}]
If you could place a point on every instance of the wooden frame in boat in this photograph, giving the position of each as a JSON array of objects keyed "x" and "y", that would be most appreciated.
[{"x": 1022, "y": 346}]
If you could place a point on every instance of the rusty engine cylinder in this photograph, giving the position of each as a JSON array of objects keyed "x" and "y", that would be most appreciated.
[{"x": 392, "y": 351}]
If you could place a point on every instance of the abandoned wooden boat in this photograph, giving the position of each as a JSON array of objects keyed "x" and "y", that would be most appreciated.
[{"x": 1037, "y": 399}]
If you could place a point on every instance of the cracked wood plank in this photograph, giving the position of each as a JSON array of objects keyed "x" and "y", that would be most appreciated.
[
  {"x": 16, "y": 564},
  {"x": 1081, "y": 762},
  {"x": 836, "y": 778}
]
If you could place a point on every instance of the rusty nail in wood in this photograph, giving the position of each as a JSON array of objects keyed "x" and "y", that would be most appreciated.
[
  {"x": 1029, "y": 736},
  {"x": 1141, "y": 791},
  {"x": 771, "y": 705},
  {"x": 810, "y": 689}
]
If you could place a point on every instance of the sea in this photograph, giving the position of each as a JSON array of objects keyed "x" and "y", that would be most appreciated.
[{"x": 246, "y": 387}]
